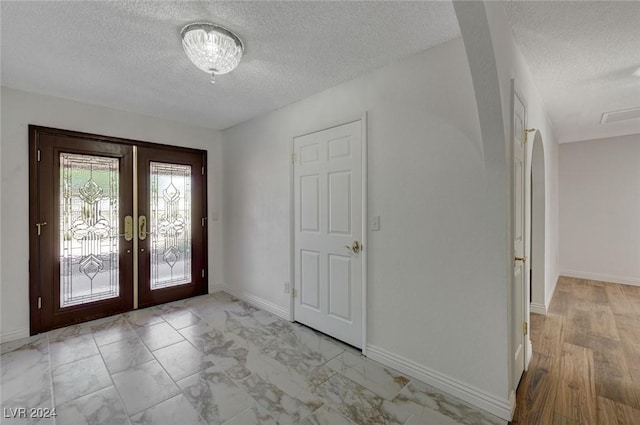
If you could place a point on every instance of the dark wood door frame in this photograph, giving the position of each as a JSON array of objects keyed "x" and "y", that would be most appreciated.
[{"x": 35, "y": 261}]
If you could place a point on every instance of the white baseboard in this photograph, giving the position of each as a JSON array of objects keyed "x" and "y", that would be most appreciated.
[
  {"x": 538, "y": 308},
  {"x": 548, "y": 296},
  {"x": 512, "y": 403},
  {"x": 601, "y": 277},
  {"x": 13, "y": 335},
  {"x": 495, "y": 405},
  {"x": 258, "y": 302}
]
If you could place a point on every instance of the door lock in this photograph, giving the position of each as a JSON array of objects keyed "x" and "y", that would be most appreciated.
[{"x": 39, "y": 226}]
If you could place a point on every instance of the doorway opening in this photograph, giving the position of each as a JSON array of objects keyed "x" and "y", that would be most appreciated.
[{"x": 537, "y": 250}]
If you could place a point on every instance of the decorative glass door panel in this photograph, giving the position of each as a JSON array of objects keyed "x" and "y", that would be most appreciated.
[
  {"x": 170, "y": 199},
  {"x": 90, "y": 256},
  {"x": 171, "y": 205},
  {"x": 89, "y": 228}
]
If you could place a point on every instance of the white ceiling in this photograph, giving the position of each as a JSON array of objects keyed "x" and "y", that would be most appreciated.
[
  {"x": 582, "y": 55},
  {"x": 128, "y": 54}
]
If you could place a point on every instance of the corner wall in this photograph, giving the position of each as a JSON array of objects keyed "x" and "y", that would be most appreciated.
[
  {"x": 511, "y": 65},
  {"x": 600, "y": 209},
  {"x": 19, "y": 109},
  {"x": 436, "y": 290},
  {"x": 495, "y": 56}
]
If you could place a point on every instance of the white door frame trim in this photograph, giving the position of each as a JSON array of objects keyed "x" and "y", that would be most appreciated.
[
  {"x": 365, "y": 244},
  {"x": 527, "y": 347}
]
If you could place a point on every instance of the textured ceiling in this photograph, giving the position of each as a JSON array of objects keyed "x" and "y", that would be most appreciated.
[
  {"x": 128, "y": 54},
  {"x": 583, "y": 56}
]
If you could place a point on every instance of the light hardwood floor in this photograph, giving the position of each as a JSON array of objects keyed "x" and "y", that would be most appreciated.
[{"x": 586, "y": 358}]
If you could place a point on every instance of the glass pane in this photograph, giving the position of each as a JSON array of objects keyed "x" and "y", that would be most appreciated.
[
  {"x": 89, "y": 188},
  {"x": 170, "y": 223}
]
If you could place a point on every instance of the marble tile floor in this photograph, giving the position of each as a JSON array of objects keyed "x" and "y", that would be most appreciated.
[{"x": 209, "y": 360}]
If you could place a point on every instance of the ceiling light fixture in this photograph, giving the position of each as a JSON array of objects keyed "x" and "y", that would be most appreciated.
[{"x": 212, "y": 48}]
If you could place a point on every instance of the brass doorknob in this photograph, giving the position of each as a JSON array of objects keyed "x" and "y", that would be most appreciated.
[
  {"x": 523, "y": 259},
  {"x": 355, "y": 247}
]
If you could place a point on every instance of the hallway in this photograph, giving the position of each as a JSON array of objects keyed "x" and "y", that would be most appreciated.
[{"x": 586, "y": 357}]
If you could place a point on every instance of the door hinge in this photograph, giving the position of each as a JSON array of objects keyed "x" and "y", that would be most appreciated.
[
  {"x": 39, "y": 303},
  {"x": 293, "y": 292},
  {"x": 526, "y": 134},
  {"x": 202, "y": 273},
  {"x": 38, "y": 155},
  {"x": 203, "y": 170},
  {"x": 203, "y": 221},
  {"x": 293, "y": 158},
  {"x": 525, "y": 328}
]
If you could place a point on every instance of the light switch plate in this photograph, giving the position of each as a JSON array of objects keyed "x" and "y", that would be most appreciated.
[{"x": 375, "y": 223}]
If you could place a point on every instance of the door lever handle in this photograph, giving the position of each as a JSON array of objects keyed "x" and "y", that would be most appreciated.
[
  {"x": 523, "y": 259},
  {"x": 142, "y": 228},
  {"x": 128, "y": 229}
]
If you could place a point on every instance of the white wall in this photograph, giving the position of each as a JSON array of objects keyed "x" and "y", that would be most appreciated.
[
  {"x": 19, "y": 109},
  {"x": 600, "y": 209},
  {"x": 511, "y": 65},
  {"x": 434, "y": 267},
  {"x": 1, "y": 179}
]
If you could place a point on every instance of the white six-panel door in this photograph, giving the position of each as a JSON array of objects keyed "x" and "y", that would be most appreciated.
[
  {"x": 517, "y": 325},
  {"x": 328, "y": 265}
]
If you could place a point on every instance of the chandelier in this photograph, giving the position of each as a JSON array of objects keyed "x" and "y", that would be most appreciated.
[{"x": 212, "y": 48}]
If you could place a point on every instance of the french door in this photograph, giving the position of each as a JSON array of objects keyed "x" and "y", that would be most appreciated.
[
  {"x": 115, "y": 225},
  {"x": 171, "y": 225}
]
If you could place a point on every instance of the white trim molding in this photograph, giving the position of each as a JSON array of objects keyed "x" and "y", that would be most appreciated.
[
  {"x": 258, "y": 302},
  {"x": 493, "y": 404},
  {"x": 538, "y": 308},
  {"x": 529, "y": 352},
  {"x": 365, "y": 226},
  {"x": 512, "y": 404},
  {"x": 601, "y": 277},
  {"x": 14, "y": 334}
]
